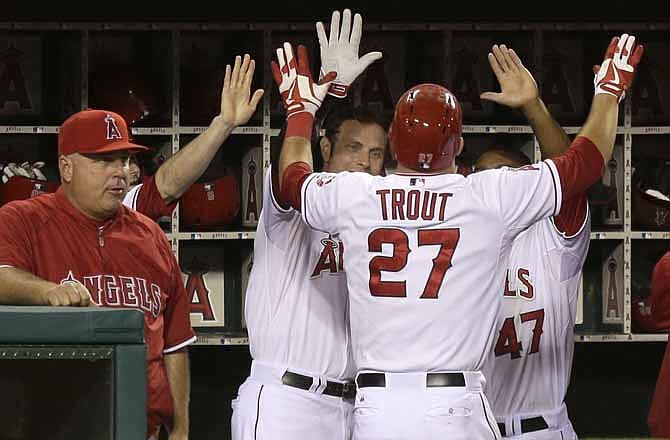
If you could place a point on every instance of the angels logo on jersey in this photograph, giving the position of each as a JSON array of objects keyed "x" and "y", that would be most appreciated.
[
  {"x": 121, "y": 291},
  {"x": 331, "y": 258},
  {"x": 324, "y": 180}
]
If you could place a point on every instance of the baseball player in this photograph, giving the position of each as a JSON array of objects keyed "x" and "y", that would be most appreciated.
[
  {"x": 301, "y": 380},
  {"x": 528, "y": 371},
  {"x": 657, "y": 420},
  {"x": 79, "y": 246},
  {"x": 424, "y": 245},
  {"x": 157, "y": 195}
]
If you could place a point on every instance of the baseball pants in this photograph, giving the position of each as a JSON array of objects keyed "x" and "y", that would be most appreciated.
[
  {"x": 422, "y": 406},
  {"x": 554, "y": 425},
  {"x": 266, "y": 409}
]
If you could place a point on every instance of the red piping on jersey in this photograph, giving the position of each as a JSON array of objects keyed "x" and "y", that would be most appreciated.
[{"x": 572, "y": 217}]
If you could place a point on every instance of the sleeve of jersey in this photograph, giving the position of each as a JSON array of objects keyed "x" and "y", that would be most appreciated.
[
  {"x": 146, "y": 198},
  {"x": 521, "y": 196},
  {"x": 572, "y": 218},
  {"x": 178, "y": 332},
  {"x": 15, "y": 246},
  {"x": 660, "y": 292},
  {"x": 325, "y": 199},
  {"x": 579, "y": 168},
  {"x": 275, "y": 216}
]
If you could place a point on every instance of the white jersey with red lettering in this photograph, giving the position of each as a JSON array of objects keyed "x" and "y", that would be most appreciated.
[
  {"x": 296, "y": 311},
  {"x": 422, "y": 256},
  {"x": 529, "y": 369},
  {"x": 422, "y": 253}
]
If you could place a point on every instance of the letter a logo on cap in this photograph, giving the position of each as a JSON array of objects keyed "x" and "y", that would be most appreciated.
[{"x": 113, "y": 131}]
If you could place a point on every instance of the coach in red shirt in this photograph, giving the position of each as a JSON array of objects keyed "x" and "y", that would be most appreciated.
[{"x": 80, "y": 246}]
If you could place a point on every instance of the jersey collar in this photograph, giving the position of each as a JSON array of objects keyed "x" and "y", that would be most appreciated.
[{"x": 72, "y": 211}]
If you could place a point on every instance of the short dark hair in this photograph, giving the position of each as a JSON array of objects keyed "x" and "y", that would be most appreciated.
[
  {"x": 330, "y": 118},
  {"x": 333, "y": 121}
]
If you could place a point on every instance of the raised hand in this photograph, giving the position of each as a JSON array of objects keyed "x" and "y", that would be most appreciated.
[
  {"x": 617, "y": 70},
  {"x": 236, "y": 106},
  {"x": 339, "y": 52},
  {"x": 299, "y": 92},
  {"x": 517, "y": 85}
]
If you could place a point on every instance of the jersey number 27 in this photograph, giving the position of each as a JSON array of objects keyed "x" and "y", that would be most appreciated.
[{"x": 446, "y": 239}]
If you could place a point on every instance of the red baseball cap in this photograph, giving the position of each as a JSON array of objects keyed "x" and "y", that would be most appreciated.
[{"x": 93, "y": 131}]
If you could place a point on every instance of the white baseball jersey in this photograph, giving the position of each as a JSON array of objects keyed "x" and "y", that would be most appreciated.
[
  {"x": 146, "y": 199},
  {"x": 423, "y": 253},
  {"x": 296, "y": 306},
  {"x": 528, "y": 371}
]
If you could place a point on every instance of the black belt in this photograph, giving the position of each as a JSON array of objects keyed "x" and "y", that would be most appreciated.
[
  {"x": 432, "y": 380},
  {"x": 527, "y": 425},
  {"x": 346, "y": 390}
]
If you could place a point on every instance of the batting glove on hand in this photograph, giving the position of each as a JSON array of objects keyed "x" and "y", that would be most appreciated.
[
  {"x": 37, "y": 171},
  {"x": 617, "y": 71},
  {"x": 339, "y": 53},
  {"x": 12, "y": 169},
  {"x": 299, "y": 92}
]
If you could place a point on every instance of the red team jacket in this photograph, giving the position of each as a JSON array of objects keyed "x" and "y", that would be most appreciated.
[
  {"x": 125, "y": 261},
  {"x": 659, "y": 414}
]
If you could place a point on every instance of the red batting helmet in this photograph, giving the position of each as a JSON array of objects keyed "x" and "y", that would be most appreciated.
[
  {"x": 211, "y": 203},
  {"x": 426, "y": 128}
]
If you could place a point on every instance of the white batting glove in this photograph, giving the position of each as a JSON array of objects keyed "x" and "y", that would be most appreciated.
[
  {"x": 293, "y": 76},
  {"x": 12, "y": 169},
  {"x": 7, "y": 173},
  {"x": 25, "y": 166},
  {"x": 339, "y": 52},
  {"x": 617, "y": 71},
  {"x": 37, "y": 171}
]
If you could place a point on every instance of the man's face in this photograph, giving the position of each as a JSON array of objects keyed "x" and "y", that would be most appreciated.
[
  {"x": 358, "y": 147},
  {"x": 135, "y": 172},
  {"x": 97, "y": 183}
]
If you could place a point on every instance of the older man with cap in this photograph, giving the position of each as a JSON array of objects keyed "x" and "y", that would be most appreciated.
[{"x": 80, "y": 246}]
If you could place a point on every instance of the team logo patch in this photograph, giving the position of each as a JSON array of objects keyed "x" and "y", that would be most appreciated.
[
  {"x": 113, "y": 131},
  {"x": 324, "y": 180}
]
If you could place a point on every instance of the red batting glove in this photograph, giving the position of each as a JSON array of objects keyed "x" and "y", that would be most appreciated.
[
  {"x": 617, "y": 71},
  {"x": 301, "y": 96}
]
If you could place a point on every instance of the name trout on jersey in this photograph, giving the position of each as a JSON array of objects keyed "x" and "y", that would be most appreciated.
[
  {"x": 121, "y": 291},
  {"x": 400, "y": 204}
]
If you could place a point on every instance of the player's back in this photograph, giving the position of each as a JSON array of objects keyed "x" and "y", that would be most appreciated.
[
  {"x": 296, "y": 304},
  {"x": 529, "y": 368},
  {"x": 423, "y": 253}
]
